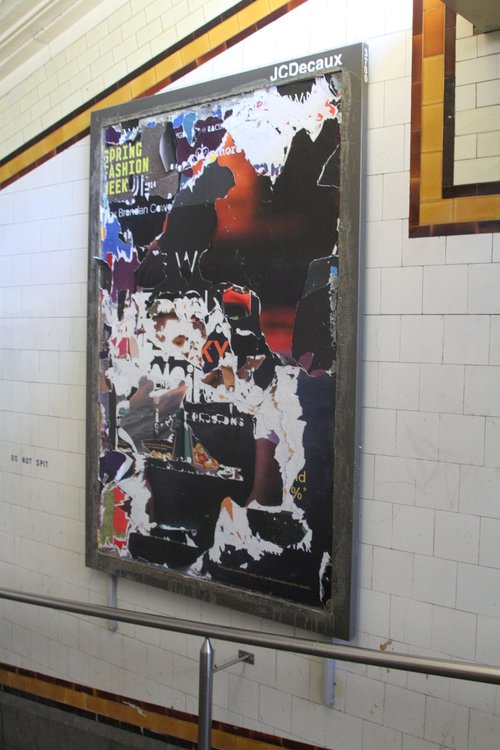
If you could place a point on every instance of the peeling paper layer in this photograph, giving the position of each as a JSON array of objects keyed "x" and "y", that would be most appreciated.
[{"x": 218, "y": 339}]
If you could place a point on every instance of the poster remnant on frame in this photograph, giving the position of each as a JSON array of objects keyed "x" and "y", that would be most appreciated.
[{"x": 218, "y": 257}]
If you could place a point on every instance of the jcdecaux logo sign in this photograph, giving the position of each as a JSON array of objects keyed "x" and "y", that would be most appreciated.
[{"x": 294, "y": 68}]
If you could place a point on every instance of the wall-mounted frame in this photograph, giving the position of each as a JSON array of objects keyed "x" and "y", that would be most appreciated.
[
  {"x": 437, "y": 206},
  {"x": 223, "y": 277}
]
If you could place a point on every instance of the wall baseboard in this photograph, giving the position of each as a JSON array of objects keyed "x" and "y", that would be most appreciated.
[{"x": 25, "y": 723}]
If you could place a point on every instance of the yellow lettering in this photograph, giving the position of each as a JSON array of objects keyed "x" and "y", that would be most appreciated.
[{"x": 122, "y": 161}]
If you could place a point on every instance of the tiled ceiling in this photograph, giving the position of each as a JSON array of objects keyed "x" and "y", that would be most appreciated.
[
  {"x": 483, "y": 14},
  {"x": 29, "y": 27}
]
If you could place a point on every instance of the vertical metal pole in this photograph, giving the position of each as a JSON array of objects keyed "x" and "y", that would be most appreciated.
[
  {"x": 328, "y": 682},
  {"x": 205, "y": 696},
  {"x": 112, "y": 599}
]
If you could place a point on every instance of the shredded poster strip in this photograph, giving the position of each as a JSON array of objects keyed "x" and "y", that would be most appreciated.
[{"x": 217, "y": 350}]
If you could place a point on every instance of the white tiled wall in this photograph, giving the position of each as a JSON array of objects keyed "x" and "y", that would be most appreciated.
[{"x": 429, "y": 532}]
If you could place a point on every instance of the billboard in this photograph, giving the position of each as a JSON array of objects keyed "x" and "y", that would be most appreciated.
[{"x": 224, "y": 242}]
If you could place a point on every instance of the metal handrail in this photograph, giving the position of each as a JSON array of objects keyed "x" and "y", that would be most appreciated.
[{"x": 425, "y": 665}]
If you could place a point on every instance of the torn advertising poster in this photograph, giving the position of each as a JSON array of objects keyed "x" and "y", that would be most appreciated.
[{"x": 222, "y": 228}]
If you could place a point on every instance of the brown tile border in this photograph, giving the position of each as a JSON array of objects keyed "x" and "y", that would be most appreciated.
[
  {"x": 470, "y": 209},
  {"x": 223, "y": 32},
  {"x": 136, "y": 714}
]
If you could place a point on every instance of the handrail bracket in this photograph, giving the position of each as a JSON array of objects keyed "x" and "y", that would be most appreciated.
[{"x": 243, "y": 656}]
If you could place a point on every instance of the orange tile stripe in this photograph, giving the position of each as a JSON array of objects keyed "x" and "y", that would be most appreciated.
[
  {"x": 241, "y": 21},
  {"x": 430, "y": 213},
  {"x": 161, "y": 721}
]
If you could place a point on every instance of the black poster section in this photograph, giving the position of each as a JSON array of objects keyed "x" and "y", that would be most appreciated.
[{"x": 223, "y": 276}]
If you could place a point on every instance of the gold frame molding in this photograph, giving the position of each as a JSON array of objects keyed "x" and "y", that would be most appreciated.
[{"x": 431, "y": 213}]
